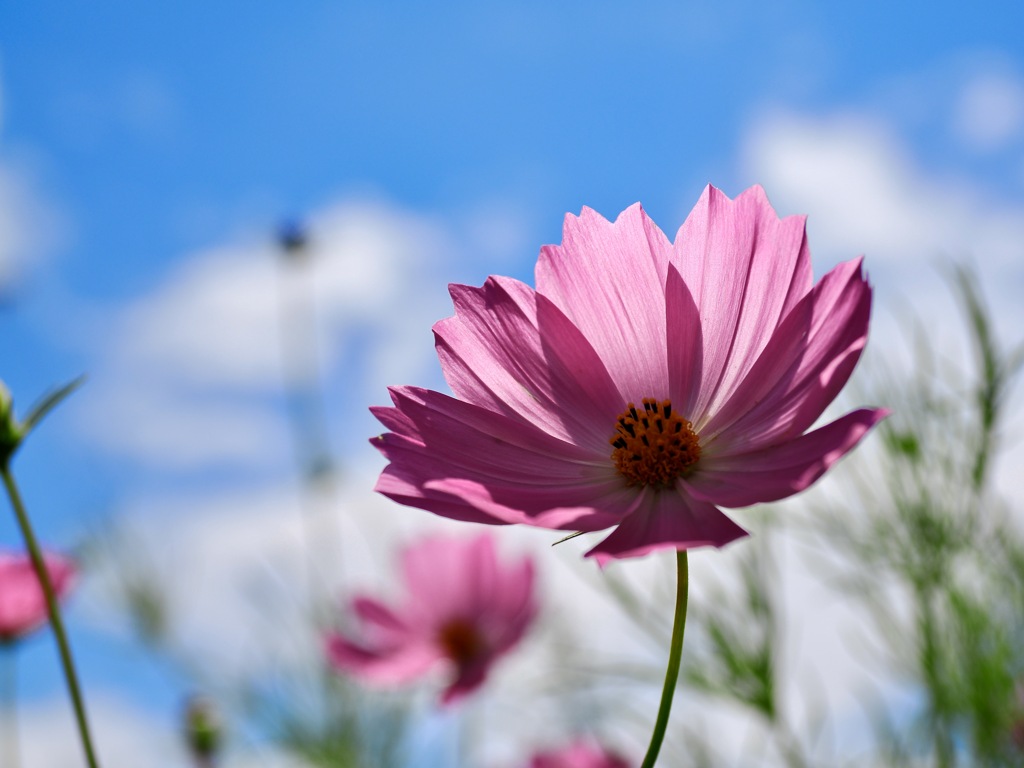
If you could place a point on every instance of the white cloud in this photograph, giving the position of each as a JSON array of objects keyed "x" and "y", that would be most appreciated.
[
  {"x": 192, "y": 373},
  {"x": 29, "y": 229},
  {"x": 989, "y": 112},
  {"x": 216, "y": 318},
  {"x": 864, "y": 193},
  {"x": 124, "y": 736}
]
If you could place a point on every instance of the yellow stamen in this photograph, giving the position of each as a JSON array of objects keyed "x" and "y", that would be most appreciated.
[{"x": 653, "y": 445}]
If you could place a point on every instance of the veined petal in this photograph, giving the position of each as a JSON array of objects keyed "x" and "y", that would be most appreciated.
[
  {"x": 406, "y": 487},
  {"x": 738, "y": 480},
  {"x": 426, "y": 416},
  {"x": 809, "y": 359},
  {"x": 608, "y": 279},
  {"x": 513, "y": 352},
  {"x": 667, "y": 519},
  {"x": 685, "y": 345},
  {"x": 507, "y": 470},
  {"x": 745, "y": 269},
  {"x": 582, "y": 507}
]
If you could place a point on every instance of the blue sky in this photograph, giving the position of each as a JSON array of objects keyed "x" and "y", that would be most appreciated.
[{"x": 149, "y": 151}]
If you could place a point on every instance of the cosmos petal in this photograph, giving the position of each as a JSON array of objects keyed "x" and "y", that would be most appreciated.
[
  {"x": 667, "y": 520},
  {"x": 435, "y": 577},
  {"x": 377, "y": 617},
  {"x": 581, "y": 507},
  {"x": 467, "y": 679},
  {"x": 807, "y": 362},
  {"x": 739, "y": 480},
  {"x": 22, "y": 602},
  {"x": 508, "y": 471},
  {"x": 390, "y": 666},
  {"x": 513, "y": 352},
  {"x": 608, "y": 279},
  {"x": 685, "y": 345},
  {"x": 745, "y": 269}
]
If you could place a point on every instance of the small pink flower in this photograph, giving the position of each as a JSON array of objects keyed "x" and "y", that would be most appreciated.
[
  {"x": 643, "y": 384},
  {"x": 579, "y": 754},
  {"x": 22, "y": 603},
  {"x": 461, "y": 607}
]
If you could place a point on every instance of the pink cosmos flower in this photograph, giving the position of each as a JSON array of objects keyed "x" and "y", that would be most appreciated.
[
  {"x": 643, "y": 384},
  {"x": 579, "y": 754},
  {"x": 462, "y": 607},
  {"x": 22, "y": 603}
]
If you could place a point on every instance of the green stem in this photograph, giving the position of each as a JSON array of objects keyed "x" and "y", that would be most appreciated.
[
  {"x": 54, "y": 612},
  {"x": 674, "y": 655}
]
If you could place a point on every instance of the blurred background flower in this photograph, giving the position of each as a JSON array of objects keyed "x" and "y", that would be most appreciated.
[
  {"x": 579, "y": 754},
  {"x": 22, "y": 603},
  {"x": 461, "y": 606}
]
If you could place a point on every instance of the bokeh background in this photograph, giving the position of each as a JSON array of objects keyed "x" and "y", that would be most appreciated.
[{"x": 151, "y": 153}]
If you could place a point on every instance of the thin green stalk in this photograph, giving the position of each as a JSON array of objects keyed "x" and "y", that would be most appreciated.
[
  {"x": 674, "y": 655},
  {"x": 54, "y": 612}
]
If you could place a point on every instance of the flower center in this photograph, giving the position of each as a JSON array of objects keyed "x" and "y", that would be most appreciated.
[
  {"x": 460, "y": 641},
  {"x": 653, "y": 445}
]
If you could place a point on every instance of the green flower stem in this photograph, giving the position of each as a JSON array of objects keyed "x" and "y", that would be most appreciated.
[
  {"x": 674, "y": 655},
  {"x": 55, "y": 619}
]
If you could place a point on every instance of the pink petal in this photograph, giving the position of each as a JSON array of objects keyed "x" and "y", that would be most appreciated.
[
  {"x": 807, "y": 362},
  {"x": 480, "y": 439},
  {"x": 468, "y": 678},
  {"x": 505, "y": 612},
  {"x": 463, "y": 578},
  {"x": 738, "y": 480},
  {"x": 685, "y": 347},
  {"x": 379, "y": 621},
  {"x": 608, "y": 279},
  {"x": 22, "y": 603},
  {"x": 507, "y": 470},
  {"x": 579, "y": 754},
  {"x": 745, "y": 269},
  {"x": 579, "y": 507},
  {"x": 515, "y": 353},
  {"x": 381, "y": 666},
  {"x": 667, "y": 520},
  {"x": 443, "y": 576},
  {"x": 405, "y": 486},
  {"x": 514, "y": 599}
]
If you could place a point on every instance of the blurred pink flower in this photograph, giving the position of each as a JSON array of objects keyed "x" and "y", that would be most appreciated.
[
  {"x": 22, "y": 603},
  {"x": 461, "y": 606},
  {"x": 641, "y": 385},
  {"x": 579, "y": 754}
]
